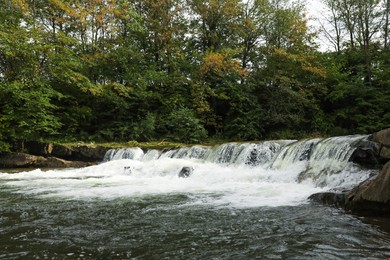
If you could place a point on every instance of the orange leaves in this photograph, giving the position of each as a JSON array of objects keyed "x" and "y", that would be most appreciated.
[{"x": 218, "y": 64}]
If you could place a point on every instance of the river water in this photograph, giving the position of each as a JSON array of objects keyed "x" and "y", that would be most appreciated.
[{"x": 242, "y": 201}]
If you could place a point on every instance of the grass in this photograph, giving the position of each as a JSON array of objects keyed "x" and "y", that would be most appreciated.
[{"x": 145, "y": 145}]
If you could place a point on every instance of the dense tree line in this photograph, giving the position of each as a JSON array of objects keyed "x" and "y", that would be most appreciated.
[{"x": 188, "y": 70}]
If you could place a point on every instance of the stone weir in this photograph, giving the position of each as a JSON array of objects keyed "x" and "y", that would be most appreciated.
[{"x": 372, "y": 196}]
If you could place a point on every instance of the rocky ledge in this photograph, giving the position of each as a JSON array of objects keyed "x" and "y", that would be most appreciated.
[
  {"x": 23, "y": 160},
  {"x": 372, "y": 196},
  {"x": 47, "y": 155}
]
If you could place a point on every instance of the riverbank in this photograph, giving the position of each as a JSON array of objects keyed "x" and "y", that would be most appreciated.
[{"x": 70, "y": 155}]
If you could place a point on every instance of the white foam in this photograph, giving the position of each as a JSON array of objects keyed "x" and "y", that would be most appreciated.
[{"x": 210, "y": 183}]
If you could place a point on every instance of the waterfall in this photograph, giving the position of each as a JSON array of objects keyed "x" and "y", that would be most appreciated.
[
  {"x": 324, "y": 161},
  {"x": 329, "y": 157},
  {"x": 271, "y": 173},
  {"x": 135, "y": 153},
  {"x": 194, "y": 152},
  {"x": 229, "y": 154},
  {"x": 295, "y": 152}
]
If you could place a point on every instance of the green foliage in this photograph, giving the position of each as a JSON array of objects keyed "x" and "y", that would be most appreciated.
[
  {"x": 183, "y": 126},
  {"x": 28, "y": 111},
  {"x": 144, "y": 130},
  {"x": 185, "y": 70}
]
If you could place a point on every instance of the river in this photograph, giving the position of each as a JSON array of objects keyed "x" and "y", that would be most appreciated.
[{"x": 241, "y": 201}]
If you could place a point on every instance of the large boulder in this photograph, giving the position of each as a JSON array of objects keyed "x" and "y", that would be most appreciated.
[
  {"x": 371, "y": 196},
  {"x": 20, "y": 160},
  {"x": 367, "y": 154},
  {"x": 383, "y": 138},
  {"x": 375, "y": 151}
]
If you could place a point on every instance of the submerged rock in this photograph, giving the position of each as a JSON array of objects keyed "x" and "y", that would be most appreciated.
[
  {"x": 329, "y": 198},
  {"x": 185, "y": 172},
  {"x": 127, "y": 170}
]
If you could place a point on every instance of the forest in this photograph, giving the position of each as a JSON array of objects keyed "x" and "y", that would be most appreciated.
[{"x": 191, "y": 70}]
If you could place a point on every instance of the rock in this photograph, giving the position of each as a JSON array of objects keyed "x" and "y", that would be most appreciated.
[
  {"x": 61, "y": 151},
  {"x": 382, "y": 137},
  {"x": 366, "y": 154},
  {"x": 385, "y": 153},
  {"x": 23, "y": 160},
  {"x": 20, "y": 160},
  {"x": 127, "y": 170},
  {"x": 185, "y": 172},
  {"x": 373, "y": 195},
  {"x": 39, "y": 148},
  {"x": 375, "y": 151},
  {"x": 329, "y": 198},
  {"x": 53, "y": 162},
  {"x": 87, "y": 153}
]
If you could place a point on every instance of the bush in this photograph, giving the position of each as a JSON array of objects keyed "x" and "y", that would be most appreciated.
[{"x": 183, "y": 126}]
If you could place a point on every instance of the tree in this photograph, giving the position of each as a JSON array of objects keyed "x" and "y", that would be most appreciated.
[
  {"x": 27, "y": 111},
  {"x": 214, "y": 23}
]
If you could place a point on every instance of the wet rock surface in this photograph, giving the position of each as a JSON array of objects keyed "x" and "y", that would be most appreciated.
[{"x": 185, "y": 172}]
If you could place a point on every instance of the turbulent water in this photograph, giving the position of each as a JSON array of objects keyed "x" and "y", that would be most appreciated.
[{"x": 241, "y": 201}]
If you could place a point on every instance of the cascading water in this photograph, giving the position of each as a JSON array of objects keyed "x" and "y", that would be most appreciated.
[
  {"x": 242, "y": 201},
  {"x": 325, "y": 162},
  {"x": 124, "y": 153}
]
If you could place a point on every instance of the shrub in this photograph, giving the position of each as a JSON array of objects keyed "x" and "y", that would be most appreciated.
[{"x": 183, "y": 126}]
